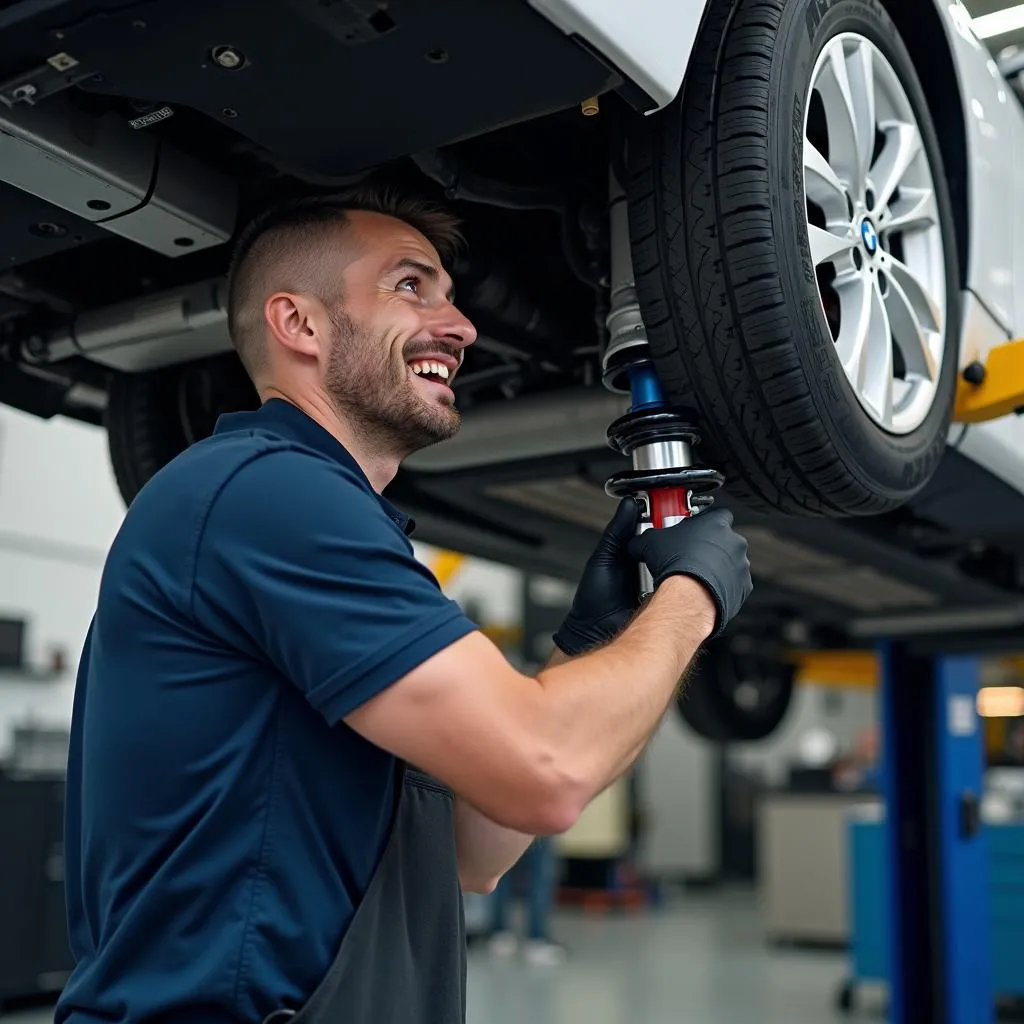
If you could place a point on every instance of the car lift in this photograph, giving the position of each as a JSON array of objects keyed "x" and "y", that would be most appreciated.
[
  {"x": 932, "y": 759},
  {"x": 932, "y": 782}
]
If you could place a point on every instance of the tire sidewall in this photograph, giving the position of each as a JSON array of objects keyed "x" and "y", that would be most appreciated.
[
  {"x": 900, "y": 463},
  {"x": 150, "y": 420}
]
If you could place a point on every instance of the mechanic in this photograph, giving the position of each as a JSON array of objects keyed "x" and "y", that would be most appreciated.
[{"x": 289, "y": 749}]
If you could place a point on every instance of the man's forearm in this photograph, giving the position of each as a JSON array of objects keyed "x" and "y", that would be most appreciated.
[
  {"x": 486, "y": 850},
  {"x": 620, "y": 768},
  {"x": 631, "y": 756},
  {"x": 601, "y": 708}
]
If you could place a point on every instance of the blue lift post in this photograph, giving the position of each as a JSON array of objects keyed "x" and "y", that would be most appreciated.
[{"x": 932, "y": 777}]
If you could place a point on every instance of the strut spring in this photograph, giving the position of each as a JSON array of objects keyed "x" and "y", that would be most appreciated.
[{"x": 660, "y": 442}]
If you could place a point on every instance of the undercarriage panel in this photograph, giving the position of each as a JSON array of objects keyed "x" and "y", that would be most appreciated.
[{"x": 328, "y": 86}]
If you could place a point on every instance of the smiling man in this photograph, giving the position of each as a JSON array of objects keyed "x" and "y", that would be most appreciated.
[
  {"x": 373, "y": 282},
  {"x": 290, "y": 752}
]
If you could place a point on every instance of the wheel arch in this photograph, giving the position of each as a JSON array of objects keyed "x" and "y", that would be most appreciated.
[{"x": 924, "y": 35}]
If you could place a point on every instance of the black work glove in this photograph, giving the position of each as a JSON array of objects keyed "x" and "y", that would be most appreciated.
[
  {"x": 707, "y": 548},
  {"x": 608, "y": 593}
]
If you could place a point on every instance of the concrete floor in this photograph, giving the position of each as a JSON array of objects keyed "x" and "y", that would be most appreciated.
[{"x": 700, "y": 959}]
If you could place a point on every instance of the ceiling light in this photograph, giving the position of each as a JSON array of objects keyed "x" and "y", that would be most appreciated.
[
  {"x": 998, "y": 23},
  {"x": 1001, "y": 701}
]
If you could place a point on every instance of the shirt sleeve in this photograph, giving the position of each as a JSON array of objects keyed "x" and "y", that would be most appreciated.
[{"x": 299, "y": 564}]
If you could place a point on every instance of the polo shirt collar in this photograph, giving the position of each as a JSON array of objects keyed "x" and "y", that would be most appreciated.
[{"x": 286, "y": 420}]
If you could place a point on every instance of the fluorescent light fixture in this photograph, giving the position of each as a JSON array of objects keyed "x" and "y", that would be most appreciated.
[
  {"x": 1001, "y": 701},
  {"x": 998, "y": 23}
]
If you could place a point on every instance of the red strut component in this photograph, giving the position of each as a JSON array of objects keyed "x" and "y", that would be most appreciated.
[{"x": 667, "y": 502}]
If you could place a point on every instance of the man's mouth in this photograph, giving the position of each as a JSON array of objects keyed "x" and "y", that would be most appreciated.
[{"x": 440, "y": 371}]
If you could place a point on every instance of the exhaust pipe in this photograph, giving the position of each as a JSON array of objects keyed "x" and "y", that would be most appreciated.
[{"x": 146, "y": 333}]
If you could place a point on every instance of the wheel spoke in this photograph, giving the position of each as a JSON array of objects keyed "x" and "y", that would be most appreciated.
[
  {"x": 861, "y": 72},
  {"x": 854, "y": 292},
  {"x": 877, "y": 365},
  {"x": 844, "y": 113},
  {"x": 902, "y": 145},
  {"x": 914, "y": 211},
  {"x": 909, "y": 334},
  {"x": 926, "y": 309},
  {"x": 822, "y": 186},
  {"x": 864, "y": 345},
  {"x": 825, "y": 245}
]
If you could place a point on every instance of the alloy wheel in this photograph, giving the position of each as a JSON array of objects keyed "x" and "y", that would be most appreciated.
[{"x": 874, "y": 232}]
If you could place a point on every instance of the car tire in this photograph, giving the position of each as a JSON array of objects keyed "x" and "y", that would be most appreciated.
[
  {"x": 153, "y": 416},
  {"x": 739, "y": 691},
  {"x": 734, "y": 307},
  {"x": 143, "y": 428}
]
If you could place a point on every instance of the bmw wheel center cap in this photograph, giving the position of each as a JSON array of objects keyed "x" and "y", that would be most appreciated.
[{"x": 869, "y": 236}]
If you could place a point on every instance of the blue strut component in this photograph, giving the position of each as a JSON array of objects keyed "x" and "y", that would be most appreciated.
[
  {"x": 651, "y": 423},
  {"x": 645, "y": 388}
]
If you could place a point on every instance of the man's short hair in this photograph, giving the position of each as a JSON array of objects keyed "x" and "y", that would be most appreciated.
[{"x": 285, "y": 246}]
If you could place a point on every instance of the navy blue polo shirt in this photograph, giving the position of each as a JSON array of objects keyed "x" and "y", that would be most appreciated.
[{"x": 222, "y": 820}]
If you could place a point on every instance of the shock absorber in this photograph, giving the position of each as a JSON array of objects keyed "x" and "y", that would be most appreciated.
[{"x": 659, "y": 440}]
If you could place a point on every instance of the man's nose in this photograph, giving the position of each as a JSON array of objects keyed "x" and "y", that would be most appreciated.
[{"x": 450, "y": 324}]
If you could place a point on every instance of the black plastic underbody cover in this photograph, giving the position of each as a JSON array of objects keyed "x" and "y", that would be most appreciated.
[{"x": 334, "y": 86}]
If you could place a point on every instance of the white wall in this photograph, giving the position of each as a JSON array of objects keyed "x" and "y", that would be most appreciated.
[
  {"x": 678, "y": 789},
  {"x": 771, "y": 758},
  {"x": 59, "y": 511}
]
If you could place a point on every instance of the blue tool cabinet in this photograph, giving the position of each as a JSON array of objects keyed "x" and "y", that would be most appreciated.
[{"x": 869, "y": 945}]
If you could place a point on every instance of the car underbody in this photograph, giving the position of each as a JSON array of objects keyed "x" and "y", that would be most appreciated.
[{"x": 150, "y": 130}]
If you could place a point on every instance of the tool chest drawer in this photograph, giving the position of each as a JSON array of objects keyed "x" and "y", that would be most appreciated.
[{"x": 868, "y": 893}]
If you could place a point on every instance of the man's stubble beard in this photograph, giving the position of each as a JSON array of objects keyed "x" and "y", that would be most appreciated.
[{"x": 376, "y": 397}]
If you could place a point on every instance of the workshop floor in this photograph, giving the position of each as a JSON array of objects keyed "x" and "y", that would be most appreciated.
[{"x": 700, "y": 959}]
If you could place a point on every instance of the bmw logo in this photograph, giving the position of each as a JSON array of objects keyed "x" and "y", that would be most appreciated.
[{"x": 869, "y": 236}]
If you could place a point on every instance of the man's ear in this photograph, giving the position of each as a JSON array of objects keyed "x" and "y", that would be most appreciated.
[{"x": 294, "y": 322}]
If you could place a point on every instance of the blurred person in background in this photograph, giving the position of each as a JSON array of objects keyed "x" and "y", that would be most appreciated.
[{"x": 538, "y": 869}]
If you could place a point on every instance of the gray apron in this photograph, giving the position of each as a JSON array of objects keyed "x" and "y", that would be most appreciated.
[{"x": 403, "y": 958}]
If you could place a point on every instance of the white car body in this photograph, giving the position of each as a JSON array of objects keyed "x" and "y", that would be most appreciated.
[{"x": 992, "y": 303}]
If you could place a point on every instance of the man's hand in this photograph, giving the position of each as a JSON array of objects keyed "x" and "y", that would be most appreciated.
[
  {"x": 607, "y": 596},
  {"x": 706, "y": 548}
]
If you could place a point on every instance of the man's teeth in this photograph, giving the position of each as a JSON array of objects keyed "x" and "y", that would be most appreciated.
[{"x": 425, "y": 367}]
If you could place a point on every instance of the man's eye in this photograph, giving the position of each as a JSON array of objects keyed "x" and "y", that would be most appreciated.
[{"x": 414, "y": 282}]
